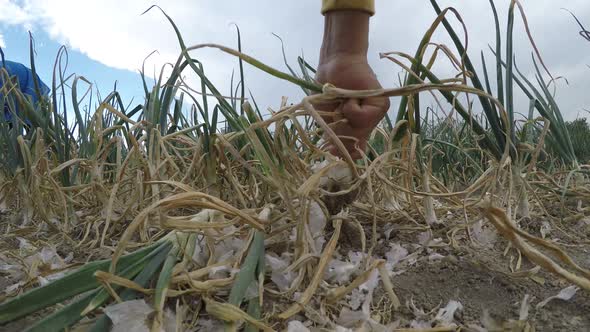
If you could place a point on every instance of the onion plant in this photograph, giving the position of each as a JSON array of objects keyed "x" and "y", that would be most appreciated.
[
  {"x": 162, "y": 179},
  {"x": 500, "y": 135}
]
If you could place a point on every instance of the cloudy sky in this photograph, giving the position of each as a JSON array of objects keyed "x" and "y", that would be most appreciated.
[{"x": 108, "y": 39}]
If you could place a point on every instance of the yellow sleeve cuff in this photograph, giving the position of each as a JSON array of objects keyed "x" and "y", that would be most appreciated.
[{"x": 362, "y": 5}]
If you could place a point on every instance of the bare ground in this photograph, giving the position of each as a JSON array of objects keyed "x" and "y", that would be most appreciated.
[
  {"x": 479, "y": 286},
  {"x": 479, "y": 278}
]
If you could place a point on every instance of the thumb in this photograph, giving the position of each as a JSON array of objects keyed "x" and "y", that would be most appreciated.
[
  {"x": 351, "y": 110},
  {"x": 361, "y": 114}
]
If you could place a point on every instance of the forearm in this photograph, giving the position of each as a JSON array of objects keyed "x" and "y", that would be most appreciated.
[
  {"x": 346, "y": 33},
  {"x": 343, "y": 63}
]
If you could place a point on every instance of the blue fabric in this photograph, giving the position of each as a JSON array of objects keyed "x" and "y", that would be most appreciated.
[{"x": 26, "y": 84}]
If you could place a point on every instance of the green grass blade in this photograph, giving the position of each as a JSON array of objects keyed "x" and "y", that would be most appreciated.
[
  {"x": 164, "y": 278},
  {"x": 510, "y": 71},
  {"x": 163, "y": 282},
  {"x": 261, "y": 66},
  {"x": 255, "y": 104},
  {"x": 486, "y": 78},
  {"x": 486, "y": 141},
  {"x": 63, "y": 318},
  {"x": 33, "y": 68},
  {"x": 128, "y": 273},
  {"x": 305, "y": 66},
  {"x": 228, "y": 112},
  {"x": 499, "y": 75},
  {"x": 411, "y": 79},
  {"x": 75, "y": 283},
  {"x": 241, "y": 64},
  {"x": 458, "y": 149},
  {"x": 85, "y": 148},
  {"x": 254, "y": 308},
  {"x": 247, "y": 274},
  {"x": 497, "y": 126},
  {"x": 143, "y": 278},
  {"x": 255, "y": 311},
  {"x": 285, "y": 58}
]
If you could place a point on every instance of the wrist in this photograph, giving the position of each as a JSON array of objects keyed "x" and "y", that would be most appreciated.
[{"x": 346, "y": 34}]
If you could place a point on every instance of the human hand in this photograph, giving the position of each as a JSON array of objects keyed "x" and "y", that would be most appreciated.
[
  {"x": 361, "y": 116},
  {"x": 343, "y": 63}
]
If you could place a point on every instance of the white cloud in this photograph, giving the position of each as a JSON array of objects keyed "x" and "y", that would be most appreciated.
[
  {"x": 14, "y": 13},
  {"x": 2, "y": 42},
  {"x": 114, "y": 33}
]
